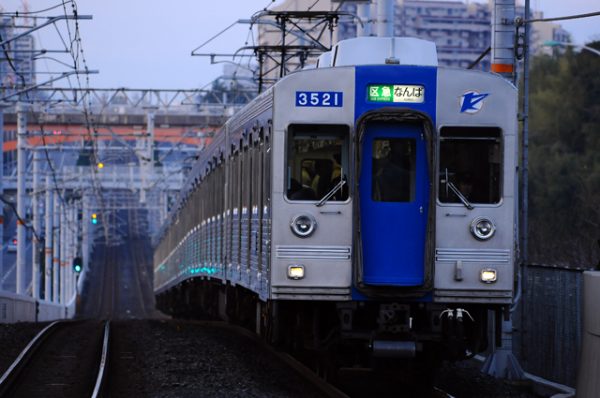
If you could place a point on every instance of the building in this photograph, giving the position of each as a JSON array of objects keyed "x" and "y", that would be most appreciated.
[
  {"x": 18, "y": 54},
  {"x": 460, "y": 29}
]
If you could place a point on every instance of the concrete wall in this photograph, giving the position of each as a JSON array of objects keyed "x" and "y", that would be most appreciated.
[
  {"x": 588, "y": 380},
  {"x": 16, "y": 308}
]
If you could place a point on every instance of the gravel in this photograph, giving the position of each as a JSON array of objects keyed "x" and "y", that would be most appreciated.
[
  {"x": 183, "y": 359},
  {"x": 464, "y": 380},
  {"x": 14, "y": 337}
]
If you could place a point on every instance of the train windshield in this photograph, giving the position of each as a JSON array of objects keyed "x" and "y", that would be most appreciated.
[
  {"x": 470, "y": 165},
  {"x": 317, "y": 161}
]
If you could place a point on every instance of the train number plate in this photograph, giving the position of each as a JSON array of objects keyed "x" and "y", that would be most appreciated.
[{"x": 320, "y": 98}]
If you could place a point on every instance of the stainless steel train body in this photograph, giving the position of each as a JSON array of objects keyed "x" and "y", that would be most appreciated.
[{"x": 374, "y": 198}]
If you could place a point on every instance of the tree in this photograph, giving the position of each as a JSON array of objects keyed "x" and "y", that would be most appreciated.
[{"x": 564, "y": 196}]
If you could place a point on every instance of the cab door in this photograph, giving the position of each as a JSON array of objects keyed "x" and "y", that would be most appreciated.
[{"x": 394, "y": 198}]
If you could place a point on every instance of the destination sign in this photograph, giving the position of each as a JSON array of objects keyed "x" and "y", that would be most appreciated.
[{"x": 396, "y": 93}]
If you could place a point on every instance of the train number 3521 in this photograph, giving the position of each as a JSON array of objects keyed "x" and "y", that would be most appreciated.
[{"x": 319, "y": 98}]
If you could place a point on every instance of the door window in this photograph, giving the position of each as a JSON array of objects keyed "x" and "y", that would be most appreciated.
[{"x": 393, "y": 177}]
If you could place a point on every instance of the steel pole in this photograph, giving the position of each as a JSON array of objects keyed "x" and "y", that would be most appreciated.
[
  {"x": 67, "y": 255},
  {"x": 21, "y": 196},
  {"x": 55, "y": 248},
  {"x": 385, "y": 18},
  {"x": 1, "y": 193},
  {"x": 48, "y": 240},
  {"x": 61, "y": 253},
  {"x": 503, "y": 38},
  {"x": 364, "y": 13},
  {"x": 85, "y": 226},
  {"x": 37, "y": 225},
  {"x": 74, "y": 234}
]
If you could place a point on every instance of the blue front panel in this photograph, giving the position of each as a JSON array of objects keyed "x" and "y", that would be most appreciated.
[
  {"x": 394, "y": 199},
  {"x": 393, "y": 205}
]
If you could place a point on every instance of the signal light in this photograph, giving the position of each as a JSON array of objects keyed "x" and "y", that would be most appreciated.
[
  {"x": 94, "y": 218},
  {"x": 77, "y": 264},
  {"x": 14, "y": 241},
  {"x": 100, "y": 165}
]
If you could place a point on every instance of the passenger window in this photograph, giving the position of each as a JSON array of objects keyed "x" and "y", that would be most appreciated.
[
  {"x": 470, "y": 165},
  {"x": 393, "y": 177},
  {"x": 317, "y": 162}
]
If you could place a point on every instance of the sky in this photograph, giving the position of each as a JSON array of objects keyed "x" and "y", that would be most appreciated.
[{"x": 148, "y": 43}]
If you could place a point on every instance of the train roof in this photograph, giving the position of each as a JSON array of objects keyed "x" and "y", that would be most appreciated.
[{"x": 380, "y": 51}]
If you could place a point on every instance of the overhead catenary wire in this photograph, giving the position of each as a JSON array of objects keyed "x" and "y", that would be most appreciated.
[
  {"x": 19, "y": 13},
  {"x": 564, "y": 18}
]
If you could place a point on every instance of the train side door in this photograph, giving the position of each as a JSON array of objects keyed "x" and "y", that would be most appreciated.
[{"x": 394, "y": 197}]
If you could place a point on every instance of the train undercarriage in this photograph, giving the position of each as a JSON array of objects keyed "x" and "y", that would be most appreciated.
[{"x": 330, "y": 336}]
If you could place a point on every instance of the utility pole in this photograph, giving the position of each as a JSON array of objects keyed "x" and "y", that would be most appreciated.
[
  {"x": 385, "y": 18},
  {"x": 55, "y": 249},
  {"x": 21, "y": 196},
  {"x": 503, "y": 39},
  {"x": 37, "y": 225},
  {"x": 48, "y": 241},
  {"x": 502, "y": 363},
  {"x": 85, "y": 242},
  {"x": 1, "y": 192},
  {"x": 61, "y": 256},
  {"x": 364, "y": 13},
  {"x": 145, "y": 153}
]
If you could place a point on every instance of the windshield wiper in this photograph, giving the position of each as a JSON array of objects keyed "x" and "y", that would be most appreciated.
[
  {"x": 457, "y": 192},
  {"x": 333, "y": 191}
]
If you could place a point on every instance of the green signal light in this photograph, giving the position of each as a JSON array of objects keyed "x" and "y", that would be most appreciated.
[{"x": 77, "y": 268}]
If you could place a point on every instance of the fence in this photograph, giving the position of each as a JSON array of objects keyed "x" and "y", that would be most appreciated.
[{"x": 548, "y": 322}]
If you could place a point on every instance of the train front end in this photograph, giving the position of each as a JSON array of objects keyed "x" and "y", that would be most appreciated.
[{"x": 397, "y": 198}]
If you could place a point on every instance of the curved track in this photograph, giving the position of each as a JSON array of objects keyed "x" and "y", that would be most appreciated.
[{"x": 66, "y": 359}]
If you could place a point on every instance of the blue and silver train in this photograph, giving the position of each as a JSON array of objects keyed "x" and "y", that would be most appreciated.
[{"x": 364, "y": 207}]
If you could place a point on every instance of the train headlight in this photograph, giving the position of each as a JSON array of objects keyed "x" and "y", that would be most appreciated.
[
  {"x": 483, "y": 228},
  {"x": 488, "y": 275},
  {"x": 303, "y": 225},
  {"x": 295, "y": 271}
]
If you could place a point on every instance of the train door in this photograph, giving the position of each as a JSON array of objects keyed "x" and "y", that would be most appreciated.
[{"x": 394, "y": 198}]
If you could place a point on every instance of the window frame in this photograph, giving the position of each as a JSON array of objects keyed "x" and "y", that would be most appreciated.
[
  {"x": 345, "y": 152},
  {"x": 501, "y": 176}
]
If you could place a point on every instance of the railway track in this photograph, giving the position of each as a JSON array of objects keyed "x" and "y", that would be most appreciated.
[{"x": 66, "y": 359}]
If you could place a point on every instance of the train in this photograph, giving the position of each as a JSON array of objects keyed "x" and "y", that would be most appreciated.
[{"x": 362, "y": 210}]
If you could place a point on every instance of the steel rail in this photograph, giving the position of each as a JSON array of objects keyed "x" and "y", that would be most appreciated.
[
  {"x": 103, "y": 369},
  {"x": 12, "y": 373}
]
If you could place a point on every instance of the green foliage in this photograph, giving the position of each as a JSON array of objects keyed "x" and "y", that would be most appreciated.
[{"x": 564, "y": 219}]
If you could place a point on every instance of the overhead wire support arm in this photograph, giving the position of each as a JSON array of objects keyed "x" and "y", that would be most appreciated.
[
  {"x": 62, "y": 76},
  {"x": 50, "y": 21}
]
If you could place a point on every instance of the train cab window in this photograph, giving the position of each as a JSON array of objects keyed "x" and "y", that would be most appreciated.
[
  {"x": 393, "y": 177},
  {"x": 470, "y": 165},
  {"x": 317, "y": 162}
]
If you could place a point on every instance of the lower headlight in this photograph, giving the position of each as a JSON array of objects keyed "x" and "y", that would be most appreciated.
[
  {"x": 488, "y": 275},
  {"x": 303, "y": 225},
  {"x": 296, "y": 271},
  {"x": 483, "y": 228}
]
